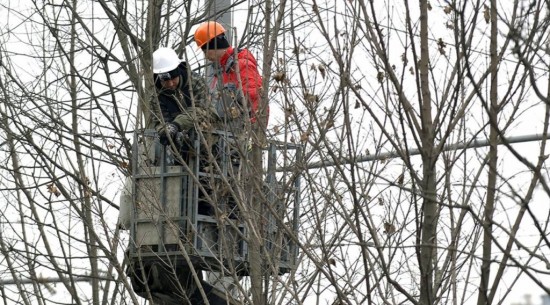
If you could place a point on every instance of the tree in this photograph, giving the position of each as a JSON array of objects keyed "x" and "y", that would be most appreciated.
[{"x": 419, "y": 74}]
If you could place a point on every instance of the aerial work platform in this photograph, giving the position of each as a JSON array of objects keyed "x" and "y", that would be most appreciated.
[{"x": 187, "y": 213}]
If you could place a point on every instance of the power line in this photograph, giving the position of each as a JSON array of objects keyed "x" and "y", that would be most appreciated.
[
  {"x": 43, "y": 280},
  {"x": 475, "y": 143}
]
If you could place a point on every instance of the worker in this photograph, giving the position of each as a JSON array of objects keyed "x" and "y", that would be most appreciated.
[
  {"x": 181, "y": 97},
  {"x": 235, "y": 91},
  {"x": 235, "y": 72}
]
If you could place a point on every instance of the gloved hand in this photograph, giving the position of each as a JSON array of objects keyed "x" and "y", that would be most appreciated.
[
  {"x": 169, "y": 131},
  {"x": 230, "y": 106},
  {"x": 231, "y": 91}
]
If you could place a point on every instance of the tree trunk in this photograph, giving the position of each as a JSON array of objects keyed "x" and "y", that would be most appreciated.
[
  {"x": 429, "y": 157},
  {"x": 483, "y": 298}
]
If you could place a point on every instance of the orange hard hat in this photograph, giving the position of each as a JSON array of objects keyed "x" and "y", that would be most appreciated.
[{"x": 207, "y": 31}]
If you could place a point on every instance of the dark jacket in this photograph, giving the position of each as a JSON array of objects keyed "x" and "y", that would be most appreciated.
[{"x": 184, "y": 106}]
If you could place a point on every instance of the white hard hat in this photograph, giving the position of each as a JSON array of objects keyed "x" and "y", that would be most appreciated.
[{"x": 165, "y": 60}]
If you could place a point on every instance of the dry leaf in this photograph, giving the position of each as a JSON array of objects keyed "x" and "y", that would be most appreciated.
[
  {"x": 447, "y": 9},
  {"x": 357, "y": 104},
  {"x": 400, "y": 179},
  {"x": 380, "y": 76},
  {"x": 53, "y": 190},
  {"x": 279, "y": 76},
  {"x": 380, "y": 201},
  {"x": 322, "y": 70},
  {"x": 124, "y": 164},
  {"x": 332, "y": 261},
  {"x": 289, "y": 111},
  {"x": 389, "y": 228},
  {"x": 304, "y": 136},
  {"x": 429, "y": 6},
  {"x": 311, "y": 98},
  {"x": 441, "y": 46}
]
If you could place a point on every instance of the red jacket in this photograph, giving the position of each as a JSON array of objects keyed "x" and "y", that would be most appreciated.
[{"x": 249, "y": 76}]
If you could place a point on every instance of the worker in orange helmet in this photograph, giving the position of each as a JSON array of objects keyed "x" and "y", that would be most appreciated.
[{"x": 237, "y": 69}]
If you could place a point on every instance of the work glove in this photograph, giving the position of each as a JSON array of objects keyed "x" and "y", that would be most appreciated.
[
  {"x": 169, "y": 131},
  {"x": 229, "y": 102},
  {"x": 233, "y": 93}
]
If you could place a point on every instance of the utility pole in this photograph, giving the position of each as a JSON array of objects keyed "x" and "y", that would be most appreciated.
[{"x": 219, "y": 10}]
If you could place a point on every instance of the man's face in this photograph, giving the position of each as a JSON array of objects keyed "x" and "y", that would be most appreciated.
[
  {"x": 170, "y": 84},
  {"x": 212, "y": 55}
]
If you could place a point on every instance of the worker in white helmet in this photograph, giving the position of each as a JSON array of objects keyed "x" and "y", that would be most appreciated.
[{"x": 181, "y": 96}]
